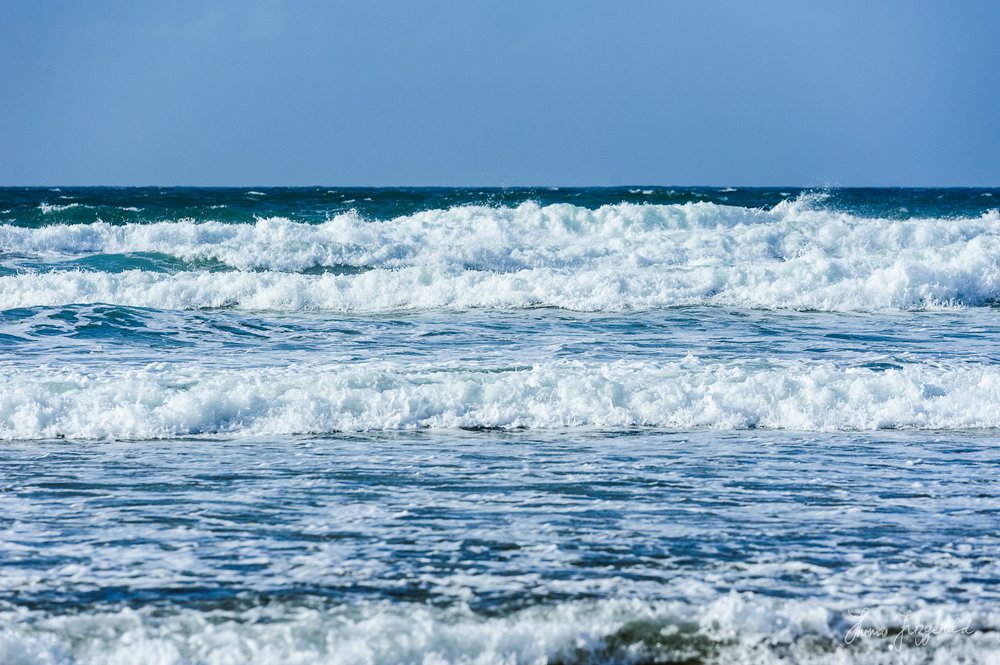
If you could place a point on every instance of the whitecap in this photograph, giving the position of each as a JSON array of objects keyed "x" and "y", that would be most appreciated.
[
  {"x": 47, "y": 208},
  {"x": 167, "y": 400},
  {"x": 729, "y": 627},
  {"x": 798, "y": 255}
]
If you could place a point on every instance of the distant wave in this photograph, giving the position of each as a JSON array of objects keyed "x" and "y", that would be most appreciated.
[
  {"x": 797, "y": 255},
  {"x": 48, "y": 208},
  {"x": 170, "y": 401}
]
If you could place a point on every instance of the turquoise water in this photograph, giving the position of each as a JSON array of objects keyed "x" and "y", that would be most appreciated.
[{"x": 499, "y": 426}]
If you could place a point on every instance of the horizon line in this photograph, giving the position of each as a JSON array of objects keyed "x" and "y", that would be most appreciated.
[{"x": 489, "y": 186}]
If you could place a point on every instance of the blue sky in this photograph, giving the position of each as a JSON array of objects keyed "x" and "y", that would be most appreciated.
[{"x": 261, "y": 92}]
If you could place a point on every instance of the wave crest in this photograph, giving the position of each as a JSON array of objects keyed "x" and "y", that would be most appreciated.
[
  {"x": 796, "y": 255},
  {"x": 170, "y": 401},
  {"x": 729, "y": 628}
]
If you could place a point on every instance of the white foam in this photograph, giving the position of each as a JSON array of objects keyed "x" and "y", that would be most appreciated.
[
  {"x": 732, "y": 628},
  {"x": 964, "y": 279},
  {"x": 175, "y": 400},
  {"x": 47, "y": 208},
  {"x": 616, "y": 257}
]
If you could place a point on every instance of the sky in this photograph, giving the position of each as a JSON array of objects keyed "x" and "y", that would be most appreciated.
[{"x": 502, "y": 93}]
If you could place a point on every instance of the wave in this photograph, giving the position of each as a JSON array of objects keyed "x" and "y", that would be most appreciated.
[
  {"x": 731, "y": 628},
  {"x": 48, "y": 208},
  {"x": 163, "y": 401},
  {"x": 963, "y": 280},
  {"x": 526, "y": 236},
  {"x": 616, "y": 257}
]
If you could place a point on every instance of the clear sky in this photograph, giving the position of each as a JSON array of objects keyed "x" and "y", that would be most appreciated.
[{"x": 547, "y": 92}]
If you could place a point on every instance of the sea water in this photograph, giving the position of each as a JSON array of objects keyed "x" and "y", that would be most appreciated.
[{"x": 635, "y": 425}]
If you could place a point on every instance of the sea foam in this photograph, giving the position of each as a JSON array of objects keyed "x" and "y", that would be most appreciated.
[
  {"x": 732, "y": 628},
  {"x": 167, "y": 400}
]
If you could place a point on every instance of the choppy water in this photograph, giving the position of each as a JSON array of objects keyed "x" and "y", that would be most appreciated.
[{"x": 499, "y": 426}]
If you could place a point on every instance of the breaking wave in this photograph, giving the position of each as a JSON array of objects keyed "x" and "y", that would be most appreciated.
[
  {"x": 623, "y": 256},
  {"x": 733, "y": 628},
  {"x": 165, "y": 400}
]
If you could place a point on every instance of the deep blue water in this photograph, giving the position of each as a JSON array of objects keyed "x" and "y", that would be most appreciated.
[{"x": 642, "y": 424}]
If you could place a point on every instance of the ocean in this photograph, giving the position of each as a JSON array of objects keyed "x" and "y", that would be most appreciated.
[{"x": 499, "y": 426}]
